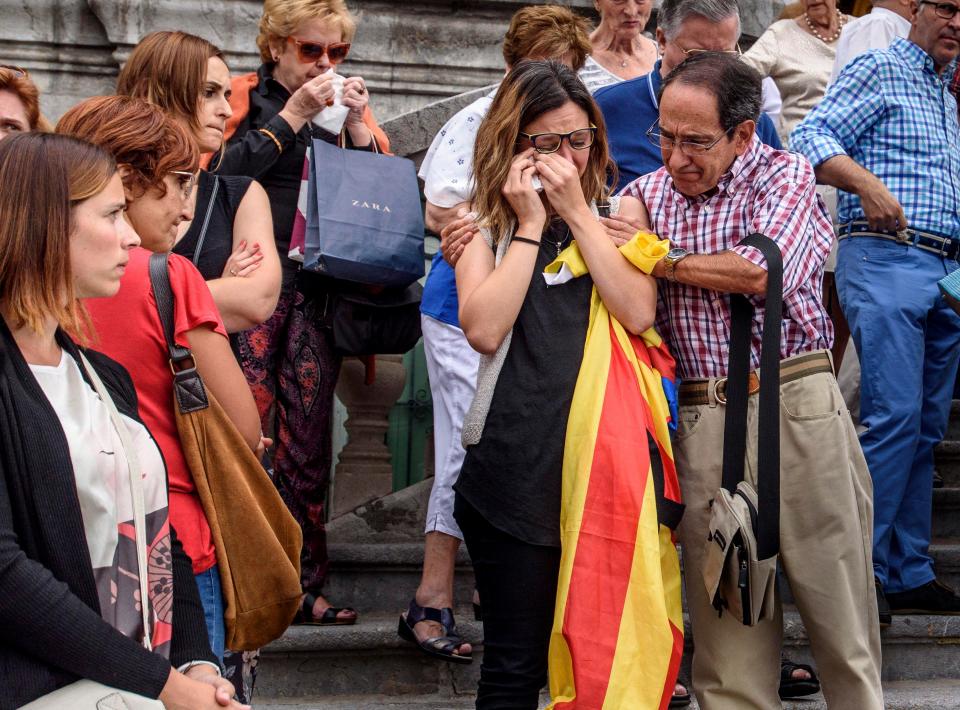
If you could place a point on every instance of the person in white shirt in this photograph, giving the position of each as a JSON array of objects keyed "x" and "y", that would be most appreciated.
[{"x": 888, "y": 20}]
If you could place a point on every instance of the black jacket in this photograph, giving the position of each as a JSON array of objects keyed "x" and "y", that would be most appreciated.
[{"x": 51, "y": 630}]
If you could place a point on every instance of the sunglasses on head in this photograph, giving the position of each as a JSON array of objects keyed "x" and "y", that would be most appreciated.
[
  {"x": 15, "y": 70},
  {"x": 310, "y": 52}
]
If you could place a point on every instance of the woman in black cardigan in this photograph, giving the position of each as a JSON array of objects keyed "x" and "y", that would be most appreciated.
[{"x": 68, "y": 611}]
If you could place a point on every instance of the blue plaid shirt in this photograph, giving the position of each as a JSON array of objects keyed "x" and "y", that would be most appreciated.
[{"x": 890, "y": 111}]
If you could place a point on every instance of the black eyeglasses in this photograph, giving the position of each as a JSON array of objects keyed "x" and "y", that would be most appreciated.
[
  {"x": 688, "y": 148},
  {"x": 687, "y": 53},
  {"x": 945, "y": 10},
  {"x": 546, "y": 143}
]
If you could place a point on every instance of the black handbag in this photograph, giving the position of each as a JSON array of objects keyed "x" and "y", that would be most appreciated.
[{"x": 370, "y": 321}]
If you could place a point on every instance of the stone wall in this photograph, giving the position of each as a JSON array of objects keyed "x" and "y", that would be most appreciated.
[{"x": 411, "y": 52}]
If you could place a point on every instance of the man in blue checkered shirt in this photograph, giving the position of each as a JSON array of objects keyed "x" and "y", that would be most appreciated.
[{"x": 886, "y": 134}]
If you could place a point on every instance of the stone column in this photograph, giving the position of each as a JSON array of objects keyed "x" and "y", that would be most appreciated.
[{"x": 364, "y": 472}]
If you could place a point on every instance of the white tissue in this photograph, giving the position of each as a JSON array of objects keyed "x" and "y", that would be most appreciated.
[
  {"x": 537, "y": 185},
  {"x": 332, "y": 118}
]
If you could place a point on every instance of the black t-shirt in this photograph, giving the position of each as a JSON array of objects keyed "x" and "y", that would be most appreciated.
[
  {"x": 513, "y": 475},
  {"x": 218, "y": 239}
]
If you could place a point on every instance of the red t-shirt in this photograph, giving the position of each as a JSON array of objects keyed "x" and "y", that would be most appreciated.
[{"x": 128, "y": 330}]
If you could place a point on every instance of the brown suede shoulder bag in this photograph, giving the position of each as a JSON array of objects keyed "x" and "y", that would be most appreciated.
[{"x": 257, "y": 540}]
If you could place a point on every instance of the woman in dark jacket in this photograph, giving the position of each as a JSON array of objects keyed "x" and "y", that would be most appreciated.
[
  {"x": 289, "y": 360},
  {"x": 70, "y": 576}
]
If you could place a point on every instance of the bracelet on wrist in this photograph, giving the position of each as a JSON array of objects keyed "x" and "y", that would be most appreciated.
[{"x": 525, "y": 240}]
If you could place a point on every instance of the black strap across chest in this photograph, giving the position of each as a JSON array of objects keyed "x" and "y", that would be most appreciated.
[{"x": 768, "y": 414}]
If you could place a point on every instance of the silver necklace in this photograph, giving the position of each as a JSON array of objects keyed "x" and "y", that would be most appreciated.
[
  {"x": 832, "y": 38},
  {"x": 558, "y": 244}
]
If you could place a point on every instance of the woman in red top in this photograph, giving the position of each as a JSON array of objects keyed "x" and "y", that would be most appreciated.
[{"x": 157, "y": 160}]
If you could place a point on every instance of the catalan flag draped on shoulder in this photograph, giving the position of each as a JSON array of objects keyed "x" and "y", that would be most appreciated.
[{"x": 618, "y": 628}]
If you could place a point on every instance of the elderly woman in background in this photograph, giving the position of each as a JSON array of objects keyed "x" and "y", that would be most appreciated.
[
  {"x": 289, "y": 360},
  {"x": 19, "y": 103},
  {"x": 620, "y": 50},
  {"x": 798, "y": 54}
]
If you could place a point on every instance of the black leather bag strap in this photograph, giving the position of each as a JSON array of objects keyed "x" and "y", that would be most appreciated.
[
  {"x": 768, "y": 415},
  {"x": 206, "y": 219},
  {"x": 187, "y": 385}
]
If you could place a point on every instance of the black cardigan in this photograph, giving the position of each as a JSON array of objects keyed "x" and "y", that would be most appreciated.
[{"x": 51, "y": 630}]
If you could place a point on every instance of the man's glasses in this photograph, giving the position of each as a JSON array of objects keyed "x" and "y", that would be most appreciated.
[
  {"x": 687, "y": 53},
  {"x": 688, "y": 148},
  {"x": 19, "y": 72},
  {"x": 945, "y": 10},
  {"x": 310, "y": 52},
  {"x": 546, "y": 143},
  {"x": 185, "y": 182}
]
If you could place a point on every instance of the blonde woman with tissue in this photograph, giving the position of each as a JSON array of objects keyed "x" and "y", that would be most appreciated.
[{"x": 289, "y": 360}]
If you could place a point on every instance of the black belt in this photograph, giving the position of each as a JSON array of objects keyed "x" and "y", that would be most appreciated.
[{"x": 944, "y": 247}]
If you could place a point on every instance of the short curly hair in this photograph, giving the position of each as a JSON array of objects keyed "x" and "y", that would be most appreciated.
[
  {"x": 546, "y": 32},
  {"x": 137, "y": 134},
  {"x": 281, "y": 18}
]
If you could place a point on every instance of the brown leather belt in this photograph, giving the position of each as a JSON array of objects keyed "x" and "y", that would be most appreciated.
[{"x": 697, "y": 392}]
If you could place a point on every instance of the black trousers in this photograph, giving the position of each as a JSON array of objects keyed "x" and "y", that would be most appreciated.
[{"x": 517, "y": 583}]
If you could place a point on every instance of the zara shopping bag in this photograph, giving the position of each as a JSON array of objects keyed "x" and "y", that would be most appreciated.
[{"x": 364, "y": 221}]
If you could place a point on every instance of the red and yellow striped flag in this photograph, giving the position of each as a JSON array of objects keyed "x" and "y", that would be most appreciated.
[{"x": 618, "y": 627}]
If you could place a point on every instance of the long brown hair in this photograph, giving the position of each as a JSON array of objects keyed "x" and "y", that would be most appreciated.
[
  {"x": 137, "y": 134},
  {"x": 42, "y": 177},
  {"x": 169, "y": 69},
  {"x": 530, "y": 90}
]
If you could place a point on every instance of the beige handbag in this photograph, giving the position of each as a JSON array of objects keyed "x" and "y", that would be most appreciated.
[
  {"x": 740, "y": 564},
  {"x": 88, "y": 694},
  {"x": 737, "y": 580}
]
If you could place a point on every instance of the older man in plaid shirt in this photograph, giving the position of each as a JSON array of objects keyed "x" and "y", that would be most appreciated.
[
  {"x": 718, "y": 185},
  {"x": 887, "y": 135}
]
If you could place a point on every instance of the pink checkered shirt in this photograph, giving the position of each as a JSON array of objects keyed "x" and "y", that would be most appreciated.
[{"x": 767, "y": 191}]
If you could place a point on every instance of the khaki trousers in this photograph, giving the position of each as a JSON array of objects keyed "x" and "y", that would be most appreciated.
[{"x": 826, "y": 528}]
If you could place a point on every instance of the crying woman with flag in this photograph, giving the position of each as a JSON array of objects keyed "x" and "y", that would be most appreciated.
[{"x": 568, "y": 493}]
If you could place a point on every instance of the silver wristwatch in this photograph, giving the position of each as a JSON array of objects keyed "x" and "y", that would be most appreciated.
[{"x": 670, "y": 261}]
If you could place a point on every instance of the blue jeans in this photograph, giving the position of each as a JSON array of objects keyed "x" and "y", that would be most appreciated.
[
  {"x": 908, "y": 340},
  {"x": 211, "y": 596}
]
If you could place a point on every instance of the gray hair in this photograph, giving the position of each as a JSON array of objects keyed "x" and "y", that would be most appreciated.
[{"x": 673, "y": 12}]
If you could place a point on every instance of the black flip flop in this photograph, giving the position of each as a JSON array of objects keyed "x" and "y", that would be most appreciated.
[
  {"x": 681, "y": 701},
  {"x": 441, "y": 647},
  {"x": 791, "y": 687},
  {"x": 330, "y": 616}
]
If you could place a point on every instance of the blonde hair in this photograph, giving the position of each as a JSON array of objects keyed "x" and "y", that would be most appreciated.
[
  {"x": 531, "y": 89},
  {"x": 546, "y": 32},
  {"x": 281, "y": 18}
]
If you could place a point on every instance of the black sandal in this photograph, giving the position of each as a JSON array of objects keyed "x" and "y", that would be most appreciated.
[
  {"x": 330, "y": 616},
  {"x": 441, "y": 647},
  {"x": 791, "y": 687},
  {"x": 681, "y": 701}
]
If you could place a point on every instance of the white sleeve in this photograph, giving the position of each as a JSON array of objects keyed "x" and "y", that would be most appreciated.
[
  {"x": 861, "y": 38},
  {"x": 447, "y": 169},
  {"x": 770, "y": 100}
]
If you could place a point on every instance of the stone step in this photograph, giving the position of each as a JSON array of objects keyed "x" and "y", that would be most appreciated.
[
  {"x": 382, "y": 577},
  {"x": 947, "y": 457},
  {"x": 898, "y": 695},
  {"x": 311, "y": 662},
  {"x": 946, "y": 512}
]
